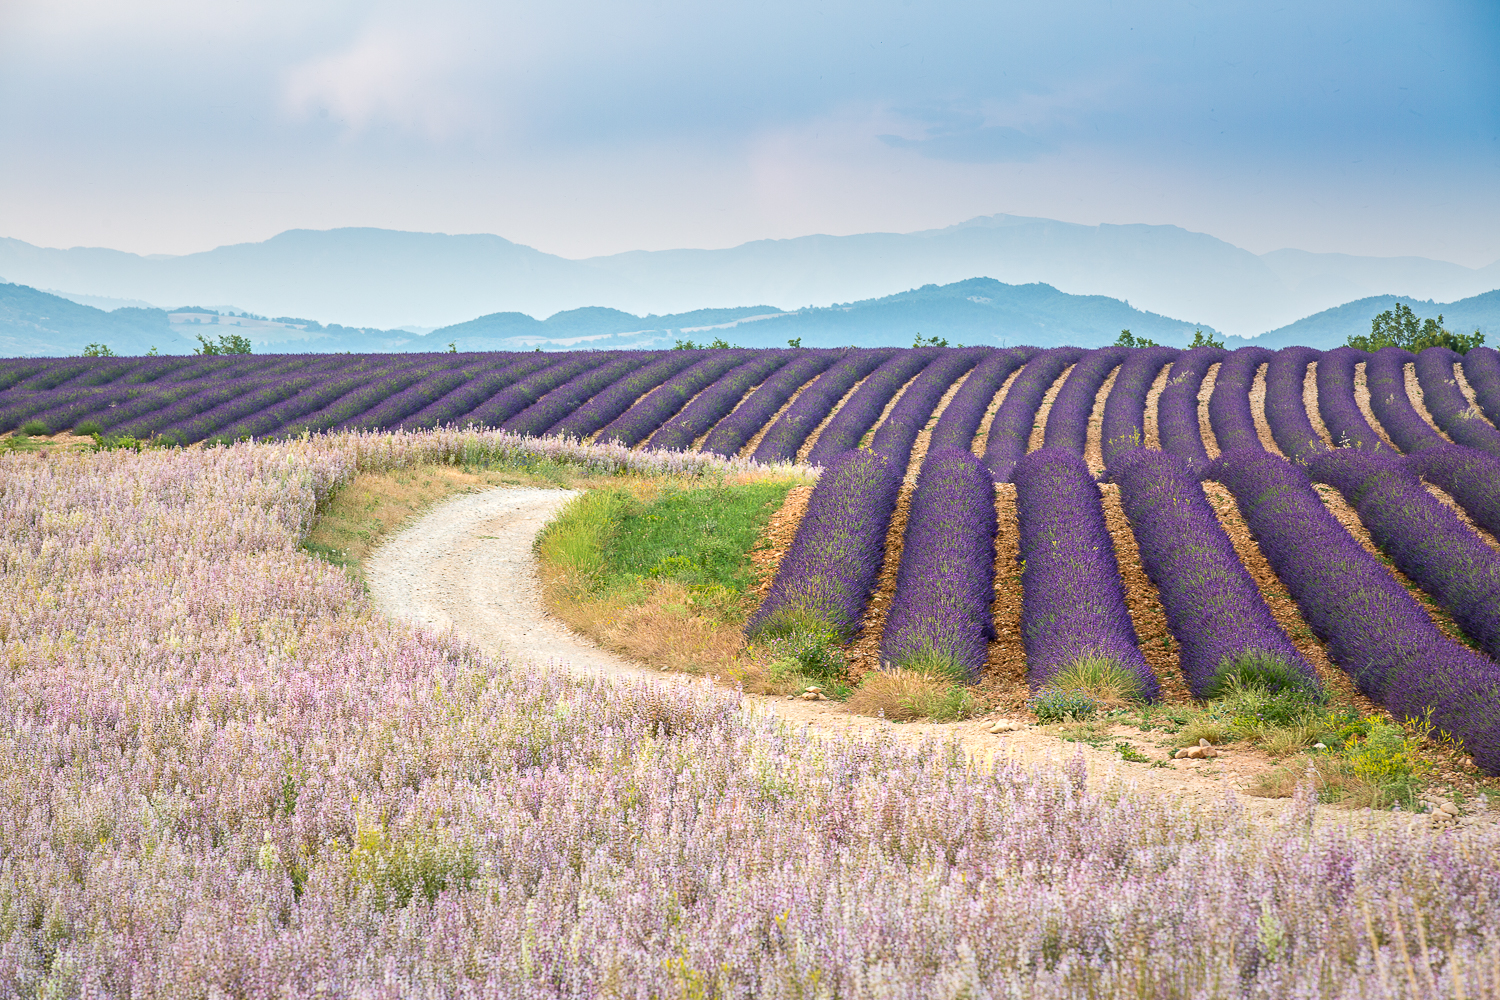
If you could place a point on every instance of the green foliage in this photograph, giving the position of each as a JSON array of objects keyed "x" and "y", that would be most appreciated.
[
  {"x": 1131, "y": 754},
  {"x": 34, "y": 428},
  {"x": 1255, "y": 668},
  {"x": 452, "y": 347},
  {"x": 1056, "y": 704},
  {"x": 813, "y": 652},
  {"x": 97, "y": 351},
  {"x": 1201, "y": 339},
  {"x": 718, "y": 344},
  {"x": 228, "y": 343},
  {"x": 88, "y": 428},
  {"x": 933, "y": 341},
  {"x": 1400, "y": 327},
  {"x": 929, "y": 659},
  {"x": 794, "y": 342},
  {"x": 1099, "y": 677},
  {"x": 1126, "y": 340}
]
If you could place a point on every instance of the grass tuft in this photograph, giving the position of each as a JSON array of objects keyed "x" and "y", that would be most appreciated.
[{"x": 910, "y": 696}]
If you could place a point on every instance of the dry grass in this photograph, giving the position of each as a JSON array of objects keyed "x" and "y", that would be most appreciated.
[{"x": 910, "y": 695}]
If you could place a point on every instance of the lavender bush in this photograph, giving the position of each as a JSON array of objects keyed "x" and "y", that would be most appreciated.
[
  {"x": 731, "y": 433},
  {"x": 1010, "y": 431},
  {"x": 1386, "y": 375},
  {"x": 436, "y": 382},
  {"x": 316, "y": 399},
  {"x": 1123, "y": 428},
  {"x": 1068, "y": 421},
  {"x": 1072, "y": 598},
  {"x": 622, "y": 395},
  {"x": 1459, "y": 419},
  {"x": 451, "y": 407},
  {"x": 784, "y": 438},
  {"x": 940, "y": 618},
  {"x": 960, "y": 421},
  {"x": 1482, "y": 371},
  {"x": 829, "y": 571},
  {"x": 1472, "y": 478},
  {"x": 1229, "y": 411},
  {"x": 506, "y": 403},
  {"x": 1177, "y": 408},
  {"x": 1374, "y": 629},
  {"x": 848, "y": 426},
  {"x": 1424, "y": 538},
  {"x": 559, "y": 403},
  {"x": 897, "y": 434},
  {"x": 713, "y": 403},
  {"x": 1340, "y": 411},
  {"x": 653, "y": 409},
  {"x": 1213, "y": 606},
  {"x": 1286, "y": 410}
]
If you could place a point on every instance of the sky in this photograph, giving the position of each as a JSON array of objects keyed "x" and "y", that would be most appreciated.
[{"x": 583, "y": 128}]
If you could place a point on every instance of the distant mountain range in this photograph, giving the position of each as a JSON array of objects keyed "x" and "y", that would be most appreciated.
[
  {"x": 975, "y": 311},
  {"x": 382, "y": 279}
]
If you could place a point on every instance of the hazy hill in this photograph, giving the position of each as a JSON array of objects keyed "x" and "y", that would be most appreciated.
[
  {"x": 1333, "y": 327},
  {"x": 373, "y": 278}
]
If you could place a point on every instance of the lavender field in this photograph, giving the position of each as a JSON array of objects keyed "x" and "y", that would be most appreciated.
[{"x": 225, "y": 775}]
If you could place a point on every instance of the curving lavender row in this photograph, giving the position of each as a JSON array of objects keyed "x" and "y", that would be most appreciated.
[
  {"x": 731, "y": 433},
  {"x": 155, "y": 420},
  {"x": 1286, "y": 409},
  {"x": 615, "y": 400},
  {"x": 848, "y": 426},
  {"x": 651, "y": 411},
  {"x": 714, "y": 403},
  {"x": 448, "y": 408},
  {"x": 506, "y": 403},
  {"x": 913, "y": 411},
  {"x": 556, "y": 404},
  {"x": 1337, "y": 406},
  {"x": 437, "y": 382},
  {"x": 1459, "y": 419},
  {"x": 828, "y": 573},
  {"x": 1229, "y": 412},
  {"x": 940, "y": 617},
  {"x": 1177, "y": 409},
  {"x": 1068, "y": 421},
  {"x": 784, "y": 438},
  {"x": 1482, "y": 372},
  {"x": 960, "y": 421},
  {"x": 1423, "y": 537},
  {"x": 1374, "y": 628},
  {"x": 1123, "y": 428},
  {"x": 203, "y": 424},
  {"x": 1470, "y": 477},
  {"x": 266, "y": 422},
  {"x": 1212, "y": 604},
  {"x": 1385, "y": 373},
  {"x": 1072, "y": 597},
  {"x": 1010, "y": 431}
]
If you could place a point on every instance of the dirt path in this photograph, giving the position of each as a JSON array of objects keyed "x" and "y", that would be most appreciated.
[{"x": 467, "y": 565}]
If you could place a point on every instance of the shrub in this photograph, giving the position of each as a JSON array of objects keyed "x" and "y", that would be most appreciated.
[
  {"x": 88, "y": 428},
  {"x": 34, "y": 428},
  {"x": 1056, "y": 704}
]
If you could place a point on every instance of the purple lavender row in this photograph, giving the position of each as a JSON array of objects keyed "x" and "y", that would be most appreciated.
[
  {"x": 1385, "y": 373},
  {"x": 147, "y": 401},
  {"x": 714, "y": 403},
  {"x": 1337, "y": 406},
  {"x": 438, "y": 381},
  {"x": 450, "y": 407},
  {"x": 829, "y": 571},
  {"x": 667, "y": 399},
  {"x": 1212, "y": 604},
  {"x": 387, "y": 382},
  {"x": 622, "y": 395},
  {"x": 511, "y": 400},
  {"x": 848, "y": 426},
  {"x": 1482, "y": 371},
  {"x": 913, "y": 411},
  {"x": 1068, "y": 421},
  {"x": 940, "y": 618},
  {"x": 1123, "y": 428},
  {"x": 311, "y": 400},
  {"x": 960, "y": 421},
  {"x": 1177, "y": 423},
  {"x": 155, "y": 418},
  {"x": 1470, "y": 477},
  {"x": 1229, "y": 407},
  {"x": 15, "y": 371},
  {"x": 1423, "y": 537},
  {"x": 58, "y": 409},
  {"x": 784, "y": 438},
  {"x": 731, "y": 433},
  {"x": 1374, "y": 628},
  {"x": 1286, "y": 408},
  {"x": 168, "y": 404},
  {"x": 259, "y": 396},
  {"x": 1072, "y": 597},
  {"x": 557, "y": 404},
  {"x": 1010, "y": 431},
  {"x": 1449, "y": 407}
]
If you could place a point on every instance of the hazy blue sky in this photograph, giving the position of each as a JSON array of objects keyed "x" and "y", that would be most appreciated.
[{"x": 582, "y": 128}]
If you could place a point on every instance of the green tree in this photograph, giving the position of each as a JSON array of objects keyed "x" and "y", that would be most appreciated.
[
  {"x": 1126, "y": 340},
  {"x": 1201, "y": 339},
  {"x": 97, "y": 351},
  {"x": 1400, "y": 327},
  {"x": 228, "y": 343},
  {"x": 933, "y": 341},
  {"x": 794, "y": 342}
]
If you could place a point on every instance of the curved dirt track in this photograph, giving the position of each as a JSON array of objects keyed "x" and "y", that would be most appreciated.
[{"x": 467, "y": 565}]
